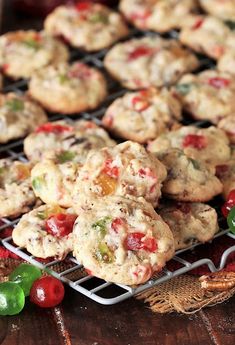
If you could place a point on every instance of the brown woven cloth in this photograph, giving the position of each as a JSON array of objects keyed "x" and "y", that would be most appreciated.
[{"x": 181, "y": 294}]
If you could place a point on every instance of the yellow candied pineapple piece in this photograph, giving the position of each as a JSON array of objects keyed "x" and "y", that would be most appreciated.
[
  {"x": 108, "y": 184},
  {"x": 23, "y": 171}
]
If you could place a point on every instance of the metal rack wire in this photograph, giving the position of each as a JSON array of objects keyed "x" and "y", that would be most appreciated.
[{"x": 71, "y": 272}]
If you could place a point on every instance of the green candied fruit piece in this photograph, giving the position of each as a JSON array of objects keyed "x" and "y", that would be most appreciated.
[
  {"x": 99, "y": 18},
  {"x": 12, "y": 298},
  {"x": 63, "y": 78},
  {"x": 184, "y": 89},
  {"x": 24, "y": 275},
  {"x": 101, "y": 225},
  {"x": 38, "y": 182},
  {"x": 31, "y": 43},
  {"x": 104, "y": 254},
  {"x": 195, "y": 163},
  {"x": 231, "y": 220},
  {"x": 65, "y": 156},
  {"x": 41, "y": 215},
  {"x": 15, "y": 104},
  {"x": 230, "y": 24}
]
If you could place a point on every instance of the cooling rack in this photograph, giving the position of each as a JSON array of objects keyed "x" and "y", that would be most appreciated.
[{"x": 70, "y": 271}]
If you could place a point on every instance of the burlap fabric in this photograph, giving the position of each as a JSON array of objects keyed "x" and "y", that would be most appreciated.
[{"x": 181, "y": 294}]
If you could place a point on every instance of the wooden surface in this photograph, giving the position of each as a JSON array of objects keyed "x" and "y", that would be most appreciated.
[{"x": 79, "y": 321}]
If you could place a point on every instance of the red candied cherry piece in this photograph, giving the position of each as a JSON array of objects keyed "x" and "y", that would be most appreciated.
[
  {"x": 53, "y": 128},
  {"x": 110, "y": 170},
  {"x": 47, "y": 292},
  {"x": 218, "y": 83},
  {"x": 229, "y": 204},
  {"x": 221, "y": 170},
  {"x": 139, "y": 52},
  {"x": 117, "y": 223},
  {"x": 141, "y": 15},
  {"x": 134, "y": 241},
  {"x": 5, "y": 67},
  {"x": 81, "y": 71},
  {"x": 61, "y": 224},
  {"x": 108, "y": 120},
  {"x": 143, "y": 172},
  {"x": 89, "y": 272},
  {"x": 83, "y": 6},
  {"x": 198, "y": 23},
  {"x": 194, "y": 140},
  {"x": 139, "y": 103}
]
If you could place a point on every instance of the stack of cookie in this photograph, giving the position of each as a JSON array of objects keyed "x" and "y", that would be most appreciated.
[{"x": 123, "y": 209}]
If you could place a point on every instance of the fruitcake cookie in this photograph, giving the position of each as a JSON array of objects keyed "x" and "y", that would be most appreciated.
[
  {"x": 24, "y": 52},
  {"x": 65, "y": 141},
  {"x": 157, "y": 15},
  {"x": 226, "y": 62},
  {"x": 16, "y": 193},
  {"x": 68, "y": 89},
  {"x": 206, "y": 35},
  {"x": 122, "y": 240},
  {"x": 87, "y": 25},
  {"x": 18, "y": 116},
  {"x": 224, "y": 9},
  {"x": 189, "y": 222},
  {"x": 226, "y": 174},
  {"x": 126, "y": 169},
  {"x": 149, "y": 61},
  {"x": 53, "y": 183},
  {"x": 188, "y": 179},
  {"x": 46, "y": 232},
  {"x": 143, "y": 115},
  {"x": 209, "y": 95},
  {"x": 209, "y": 145},
  {"x": 227, "y": 124}
]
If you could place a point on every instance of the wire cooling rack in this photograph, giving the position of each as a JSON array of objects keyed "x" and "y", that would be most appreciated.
[{"x": 70, "y": 271}]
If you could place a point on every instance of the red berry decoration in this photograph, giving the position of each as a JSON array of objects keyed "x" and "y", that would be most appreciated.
[
  {"x": 47, "y": 292},
  {"x": 61, "y": 224},
  {"x": 140, "y": 52}
]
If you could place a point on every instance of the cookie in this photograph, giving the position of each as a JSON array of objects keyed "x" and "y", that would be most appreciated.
[
  {"x": 143, "y": 115},
  {"x": 24, "y": 52},
  {"x": 149, "y": 61},
  {"x": 65, "y": 141},
  {"x": 122, "y": 240},
  {"x": 209, "y": 145},
  {"x": 68, "y": 89},
  {"x": 16, "y": 193},
  {"x": 226, "y": 63},
  {"x": 224, "y": 9},
  {"x": 206, "y": 35},
  {"x": 227, "y": 124},
  {"x": 126, "y": 169},
  {"x": 189, "y": 222},
  {"x": 46, "y": 232},
  {"x": 187, "y": 179},
  {"x": 226, "y": 174},
  {"x": 53, "y": 183},
  {"x": 18, "y": 116},
  {"x": 86, "y": 25},
  {"x": 209, "y": 95},
  {"x": 157, "y": 15}
]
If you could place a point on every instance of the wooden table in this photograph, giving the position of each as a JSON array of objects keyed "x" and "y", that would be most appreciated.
[{"x": 80, "y": 321}]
